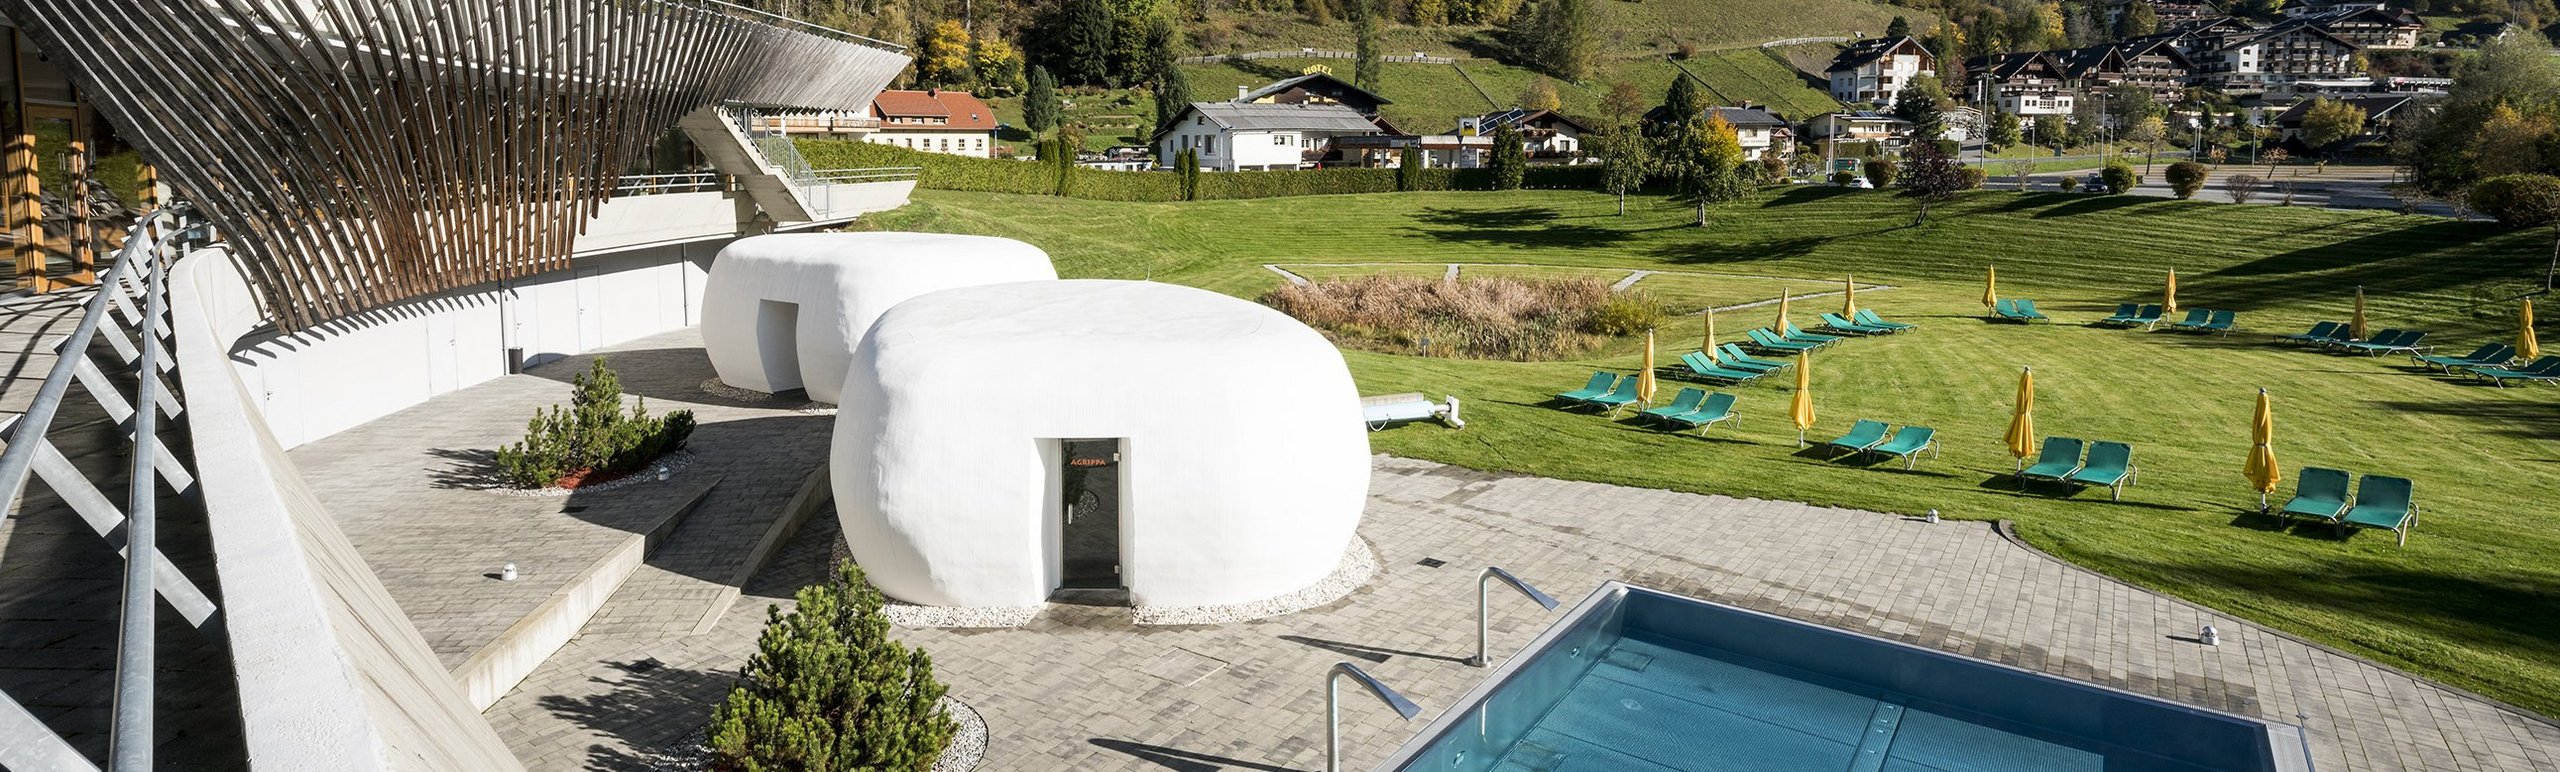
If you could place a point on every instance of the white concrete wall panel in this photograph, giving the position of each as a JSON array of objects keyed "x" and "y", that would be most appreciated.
[
  {"x": 841, "y": 282},
  {"x": 1244, "y": 462}
]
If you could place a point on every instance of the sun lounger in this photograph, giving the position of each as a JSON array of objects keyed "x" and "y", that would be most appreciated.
[
  {"x": 2026, "y": 310},
  {"x": 1838, "y": 322},
  {"x": 2222, "y": 322},
  {"x": 2343, "y": 341},
  {"x": 1697, "y": 365},
  {"x": 2406, "y": 343},
  {"x": 1622, "y": 396},
  {"x": 1792, "y": 333},
  {"x": 2196, "y": 319},
  {"x": 2487, "y": 355},
  {"x": 2382, "y": 502},
  {"x": 2110, "y": 466},
  {"x": 1718, "y": 407},
  {"x": 1601, "y": 380},
  {"x": 1765, "y": 340},
  {"x": 1862, "y": 435},
  {"x": 1736, "y": 361},
  {"x": 2318, "y": 493},
  {"x": 2125, "y": 314},
  {"x": 2319, "y": 333},
  {"x": 1869, "y": 318},
  {"x": 1686, "y": 401},
  {"x": 2544, "y": 370},
  {"x": 1733, "y": 357},
  {"x": 2059, "y": 460},
  {"x": 1907, "y": 443},
  {"x": 2004, "y": 308},
  {"x": 2149, "y": 316}
]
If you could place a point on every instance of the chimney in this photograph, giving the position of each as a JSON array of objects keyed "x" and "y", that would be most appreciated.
[
  {"x": 1240, "y": 92},
  {"x": 1746, "y": 104}
]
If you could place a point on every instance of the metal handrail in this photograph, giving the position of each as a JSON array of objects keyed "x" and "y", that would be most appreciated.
[
  {"x": 650, "y": 184},
  {"x": 874, "y": 174},
  {"x": 135, "y": 652},
  {"x": 1484, "y": 610},
  {"x": 20, "y": 456},
  {"x": 1333, "y": 706}
]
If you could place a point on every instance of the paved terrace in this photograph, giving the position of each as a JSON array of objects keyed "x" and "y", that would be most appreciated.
[{"x": 1082, "y": 689}]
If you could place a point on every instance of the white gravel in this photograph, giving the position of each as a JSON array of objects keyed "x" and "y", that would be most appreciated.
[
  {"x": 911, "y": 615},
  {"x": 969, "y": 745},
  {"x": 1358, "y": 564}
]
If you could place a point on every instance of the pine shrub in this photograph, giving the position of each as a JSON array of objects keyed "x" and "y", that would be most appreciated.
[
  {"x": 593, "y": 435},
  {"x": 828, "y": 689}
]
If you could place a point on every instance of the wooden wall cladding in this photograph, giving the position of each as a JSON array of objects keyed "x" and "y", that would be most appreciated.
[{"x": 361, "y": 152}]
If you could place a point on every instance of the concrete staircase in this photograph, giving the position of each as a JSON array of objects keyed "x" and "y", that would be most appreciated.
[{"x": 773, "y": 186}]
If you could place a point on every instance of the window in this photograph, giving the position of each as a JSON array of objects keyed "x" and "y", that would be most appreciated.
[{"x": 1281, "y": 139}]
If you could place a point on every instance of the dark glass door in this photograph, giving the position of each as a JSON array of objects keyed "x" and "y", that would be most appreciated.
[{"x": 1089, "y": 542}]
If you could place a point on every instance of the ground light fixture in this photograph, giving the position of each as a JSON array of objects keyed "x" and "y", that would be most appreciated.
[
  {"x": 1333, "y": 707},
  {"x": 507, "y": 573},
  {"x": 1484, "y": 611},
  {"x": 1933, "y": 516},
  {"x": 2209, "y": 636}
]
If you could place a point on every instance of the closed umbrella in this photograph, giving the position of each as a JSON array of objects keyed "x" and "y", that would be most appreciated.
[
  {"x": 2355, "y": 329},
  {"x": 1991, "y": 287},
  {"x": 1781, "y": 327},
  {"x": 2526, "y": 345},
  {"x": 1849, "y": 298},
  {"x": 1802, "y": 411},
  {"x": 2022, "y": 420},
  {"x": 1709, "y": 347},
  {"x": 1644, "y": 380},
  {"x": 2169, "y": 299},
  {"x": 2262, "y": 471}
]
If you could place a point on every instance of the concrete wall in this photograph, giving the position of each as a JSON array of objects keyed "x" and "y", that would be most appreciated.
[{"x": 332, "y": 675}]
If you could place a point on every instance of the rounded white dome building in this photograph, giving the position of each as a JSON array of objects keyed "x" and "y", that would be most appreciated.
[
  {"x": 784, "y": 311},
  {"x": 998, "y": 443}
]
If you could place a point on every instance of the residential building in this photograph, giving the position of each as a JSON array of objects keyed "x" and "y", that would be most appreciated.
[
  {"x": 1550, "y": 135},
  {"x": 2026, "y": 83},
  {"x": 1238, "y": 136},
  {"x": 937, "y": 121},
  {"x": 2169, "y": 12},
  {"x": 1760, "y": 132},
  {"x": 2269, "y": 61},
  {"x": 2153, "y": 63},
  {"x": 1438, "y": 151},
  {"x": 2367, "y": 25},
  {"x": 1317, "y": 88},
  {"x": 1874, "y": 71},
  {"x": 1856, "y": 131},
  {"x": 2381, "y": 111}
]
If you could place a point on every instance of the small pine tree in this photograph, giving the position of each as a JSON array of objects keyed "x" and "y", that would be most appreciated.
[
  {"x": 1188, "y": 161},
  {"x": 1367, "y": 65},
  {"x": 1898, "y": 28},
  {"x": 1409, "y": 169},
  {"x": 828, "y": 689},
  {"x": 1173, "y": 95},
  {"x": 1510, "y": 157},
  {"x": 1683, "y": 103},
  {"x": 1040, "y": 104}
]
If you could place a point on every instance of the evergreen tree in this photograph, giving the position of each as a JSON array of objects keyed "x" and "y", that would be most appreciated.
[
  {"x": 1040, "y": 103},
  {"x": 1684, "y": 103},
  {"x": 1365, "y": 71},
  {"x": 1898, "y": 28},
  {"x": 2004, "y": 131},
  {"x": 1081, "y": 43},
  {"x": 1559, "y": 36},
  {"x": 1922, "y": 103},
  {"x": 1173, "y": 93},
  {"x": 2137, "y": 20},
  {"x": 1409, "y": 169},
  {"x": 1510, "y": 157},
  {"x": 1188, "y": 162},
  {"x": 829, "y": 689}
]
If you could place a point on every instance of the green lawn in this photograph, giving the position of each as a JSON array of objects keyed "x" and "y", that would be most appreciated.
[{"x": 2474, "y": 600}]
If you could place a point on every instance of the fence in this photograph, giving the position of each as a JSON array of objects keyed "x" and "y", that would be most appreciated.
[{"x": 1312, "y": 53}]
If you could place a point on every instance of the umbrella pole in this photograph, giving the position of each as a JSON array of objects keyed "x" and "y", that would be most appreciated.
[
  {"x": 2262, "y": 502},
  {"x": 1799, "y": 438}
]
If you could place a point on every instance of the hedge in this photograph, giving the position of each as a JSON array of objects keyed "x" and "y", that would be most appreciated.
[{"x": 943, "y": 171}]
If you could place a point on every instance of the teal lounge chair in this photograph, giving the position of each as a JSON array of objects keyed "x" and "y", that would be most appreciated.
[
  {"x": 1792, "y": 333},
  {"x": 1622, "y": 396},
  {"x": 2382, "y": 502},
  {"x": 1734, "y": 358},
  {"x": 1765, "y": 340},
  {"x": 2322, "y": 332},
  {"x": 2407, "y": 343},
  {"x": 2544, "y": 370},
  {"x": 2110, "y": 465},
  {"x": 2318, "y": 493},
  {"x": 1718, "y": 407},
  {"x": 2005, "y": 308},
  {"x": 1699, "y": 366},
  {"x": 1686, "y": 401},
  {"x": 2222, "y": 322},
  {"x": 1740, "y": 363},
  {"x": 2059, "y": 460},
  {"x": 2125, "y": 314},
  {"x": 2026, "y": 309},
  {"x": 1601, "y": 380},
  {"x": 1869, "y": 318},
  {"x": 1862, "y": 435},
  {"x": 2344, "y": 340},
  {"x": 2149, "y": 316},
  {"x": 2196, "y": 317},
  {"x": 2487, "y": 355},
  {"x": 1907, "y": 443},
  {"x": 1843, "y": 324}
]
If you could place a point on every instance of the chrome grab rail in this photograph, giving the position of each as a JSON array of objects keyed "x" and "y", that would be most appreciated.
[
  {"x": 1484, "y": 611},
  {"x": 1333, "y": 706}
]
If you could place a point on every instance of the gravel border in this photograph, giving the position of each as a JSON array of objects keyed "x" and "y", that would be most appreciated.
[
  {"x": 666, "y": 466},
  {"x": 1358, "y": 564},
  {"x": 969, "y": 745},
  {"x": 725, "y": 391}
]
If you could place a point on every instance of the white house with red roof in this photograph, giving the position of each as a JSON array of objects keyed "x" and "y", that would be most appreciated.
[{"x": 953, "y": 122}]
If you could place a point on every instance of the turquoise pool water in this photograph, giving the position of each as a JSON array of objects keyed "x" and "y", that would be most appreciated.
[{"x": 1654, "y": 682}]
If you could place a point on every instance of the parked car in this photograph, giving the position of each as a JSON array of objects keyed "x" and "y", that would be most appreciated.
[
  {"x": 2094, "y": 183},
  {"x": 1861, "y": 183}
]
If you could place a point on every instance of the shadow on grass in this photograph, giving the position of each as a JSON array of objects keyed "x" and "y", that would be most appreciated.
[
  {"x": 1525, "y": 226},
  {"x": 2534, "y": 420},
  {"x": 1181, "y": 760},
  {"x": 2090, "y": 205}
]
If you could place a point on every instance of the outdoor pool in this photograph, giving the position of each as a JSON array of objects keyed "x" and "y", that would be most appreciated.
[{"x": 1636, "y": 679}]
